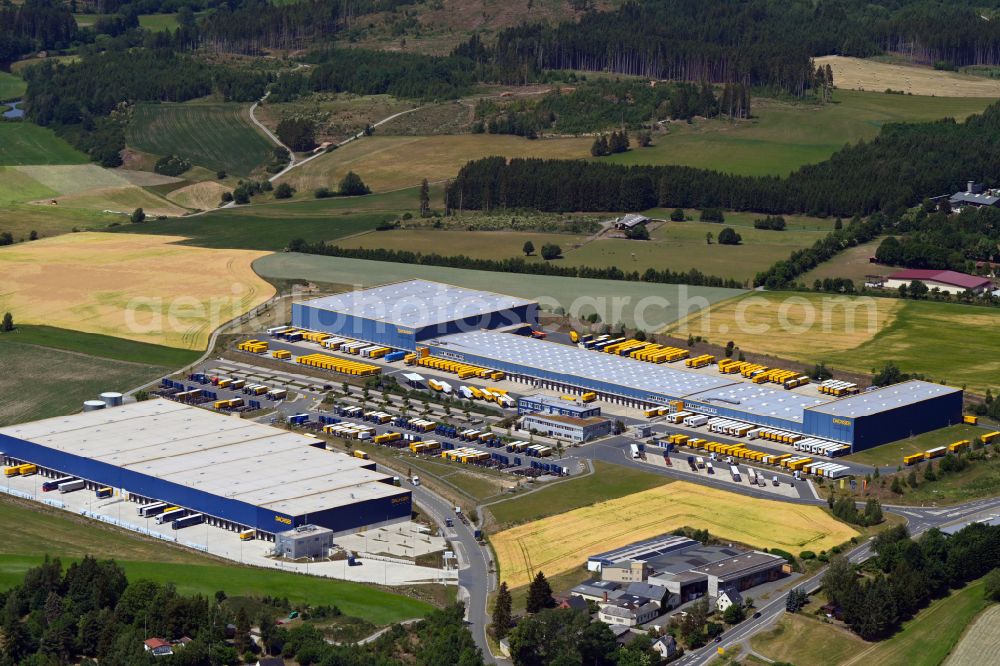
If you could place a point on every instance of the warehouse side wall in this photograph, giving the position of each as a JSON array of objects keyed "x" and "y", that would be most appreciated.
[
  {"x": 349, "y": 326},
  {"x": 342, "y": 519},
  {"x": 134, "y": 482},
  {"x": 876, "y": 429},
  {"x": 374, "y": 512}
]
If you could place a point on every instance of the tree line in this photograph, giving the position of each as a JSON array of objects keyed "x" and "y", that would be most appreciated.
[
  {"x": 88, "y": 102},
  {"x": 89, "y": 613},
  {"x": 933, "y": 237},
  {"x": 599, "y": 104},
  {"x": 906, "y": 574},
  {"x": 897, "y": 169},
  {"x": 767, "y": 43},
  {"x": 33, "y": 26},
  {"x": 514, "y": 265},
  {"x": 365, "y": 72}
]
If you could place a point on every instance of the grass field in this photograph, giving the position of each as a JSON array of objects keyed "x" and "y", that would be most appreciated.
[
  {"x": 391, "y": 162},
  {"x": 26, "y": 143},
  {"x": 782, "y": 136},
  {"x": 31, "y": 533},
  {"x": 477, "y": 244},
  {"x": 865, "y": 74},
  {"x": 607, "y": 483},
  {"x": 559, "y": 543},
  {"x": 650, "y": 306},
  {"x": 200, "y": 196},
  {"x": 118, "y": 285},
  {"x": 946, "y": 342},
  {"x": 679, "y": 245},
  {"x": 153, "y": 22},
  {"x": 103, "y": 346},
  {"x": 891, "y": 454},
  {"x": 213, "y": 135},
  {"x": 852, "y": 263},
  {"x": 20, "y": 218},
  {"x": 981, "y": 641},
  {"x": 11, "y": 87},
  {"x": 38, "y": 382},
  {"x": 925, "y": 640},
  {"x": 800, "y": 326}
]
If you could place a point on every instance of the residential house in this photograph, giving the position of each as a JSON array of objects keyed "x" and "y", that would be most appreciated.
[
  {"x": 158, "y": 647},
  {"x": 728, "y": 598},
  {"x": 665, "y": 646}
]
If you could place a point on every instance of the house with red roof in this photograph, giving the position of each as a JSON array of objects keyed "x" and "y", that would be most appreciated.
[
  {"x": 158, "y": 647},
  {"x": 951, "y": 282}
]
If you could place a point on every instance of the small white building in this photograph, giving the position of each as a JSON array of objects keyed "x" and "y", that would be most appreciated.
[
  {"x": 728, "y": 598},
  {"x": 665, "y": 646},
  {"x": 630, "y": 221}
]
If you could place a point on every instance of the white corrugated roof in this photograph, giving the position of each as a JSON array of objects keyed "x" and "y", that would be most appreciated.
[
  {"x": 229, "y": 457},
  {"x": 417, "y": 303}
]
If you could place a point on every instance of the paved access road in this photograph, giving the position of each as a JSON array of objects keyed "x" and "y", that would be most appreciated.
[{"x": 919, "y": 520}]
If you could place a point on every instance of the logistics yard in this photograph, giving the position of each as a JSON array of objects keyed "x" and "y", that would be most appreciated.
[
  {"x": 472, "y": 329},
  {"x": 556, "y": 544}
]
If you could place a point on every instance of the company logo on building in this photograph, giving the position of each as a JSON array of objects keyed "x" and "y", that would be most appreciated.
[
  {"x": 842, "y": 422},
  {"x": 400, "y": 500},
  {"x": 282, "y": 519},
  {"x": 404, "y": 331}
]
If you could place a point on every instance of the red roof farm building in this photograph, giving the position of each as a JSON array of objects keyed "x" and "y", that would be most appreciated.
[{"x": 952, "y": 282}]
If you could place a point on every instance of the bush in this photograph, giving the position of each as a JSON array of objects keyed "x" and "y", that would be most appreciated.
[
  {"x": 712, "y": 215},
  {"x": 769, "y": 223},
  {"x": 284, "y": 191},
  {"x": 323, "y": 193},
  {"x": 171, "y": 165},
  {"x": 351, "y": 185},
  {"x": 729, "y": 237},
  {"x": 551, "y": 251},
  {"x": 807, "y": 555},
  {"x": 677, "y": 215},
  {"x": 783, "y": 553}
]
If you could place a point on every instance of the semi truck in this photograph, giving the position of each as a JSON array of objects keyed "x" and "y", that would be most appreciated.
[
  {"x": 188, "y": 521},
  {"x": 70, "y": 486},
  {"x": 734, "y": 471},
  {"x": 150, "y": 510},
  {"x": 171, "y": 515},
  {"x": 635, "y": 451},
  {"x": 54, "y": 484}
]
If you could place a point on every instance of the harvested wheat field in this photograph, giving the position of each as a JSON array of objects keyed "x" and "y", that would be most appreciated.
[
  {"x": 133, "y": 286},
  {"x": 981, "y": 642},
  {"x": 796, "y": 325},
  {"x": 200, "y": 196},
  {"x": 561, "y": 543},
  {"x": 871, "y": 75}
]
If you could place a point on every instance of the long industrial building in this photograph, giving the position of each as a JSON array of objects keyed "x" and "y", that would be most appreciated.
[
  {"x": 238, "y": 473},
  {"x": 474, "y": 327}
]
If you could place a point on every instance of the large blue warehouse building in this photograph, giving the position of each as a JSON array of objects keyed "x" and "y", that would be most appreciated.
[
  {"x": 473, "y": 327},
  {"x": 238, "y": 473},
  {"x": 403, "y": 314}
]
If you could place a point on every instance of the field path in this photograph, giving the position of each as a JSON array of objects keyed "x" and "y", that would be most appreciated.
[{"x": 292, "y": 162}]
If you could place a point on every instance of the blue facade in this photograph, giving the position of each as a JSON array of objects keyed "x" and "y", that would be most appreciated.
[
  {"x": 338, "y": 519},
  {"x": 404, "y": 337},
  {"x": 890, "y": 425}
]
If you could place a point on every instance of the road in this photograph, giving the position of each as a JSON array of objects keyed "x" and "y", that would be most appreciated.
[
  {"x": 475, "y": 580},
  {"x": 919, "y": 520}
]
